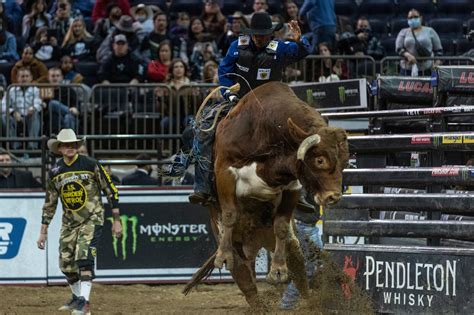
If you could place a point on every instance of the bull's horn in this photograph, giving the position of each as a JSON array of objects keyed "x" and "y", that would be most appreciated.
[{"x": 306, "y": 145}]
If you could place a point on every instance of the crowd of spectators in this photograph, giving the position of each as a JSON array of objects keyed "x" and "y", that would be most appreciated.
[{"x": 129, "y": 42}]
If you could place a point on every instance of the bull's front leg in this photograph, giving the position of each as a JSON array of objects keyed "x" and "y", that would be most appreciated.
[
  {"x": 281, "y": 225},
  {"x": 225, "y": 181}
]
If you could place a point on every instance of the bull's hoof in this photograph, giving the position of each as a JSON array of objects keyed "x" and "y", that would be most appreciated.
[
  {"x": 224, "y": 257},
  {"x": 278, "y": 276}
]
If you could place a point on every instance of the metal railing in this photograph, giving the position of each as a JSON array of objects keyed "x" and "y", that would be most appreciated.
[{"x": 392, "y": 65}]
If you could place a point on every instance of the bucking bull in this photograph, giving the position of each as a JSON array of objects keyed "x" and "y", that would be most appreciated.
[{"x": 268, "y": 146}]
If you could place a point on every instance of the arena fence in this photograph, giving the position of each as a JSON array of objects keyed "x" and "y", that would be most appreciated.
[
  {"x": 29, "y": 111},
  {"x": 314, "y": 68},
  {"x": 391, "y": 65},
  {"x": 408, "y": 279}
]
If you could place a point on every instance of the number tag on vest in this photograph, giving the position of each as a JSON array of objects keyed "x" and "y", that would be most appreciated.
[{"x": 263, "y": 74}]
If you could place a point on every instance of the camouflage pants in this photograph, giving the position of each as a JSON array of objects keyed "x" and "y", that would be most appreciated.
[{"x": 77, "y": 246}]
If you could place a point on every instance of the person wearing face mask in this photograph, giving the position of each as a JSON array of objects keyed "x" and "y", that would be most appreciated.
[
  {"x": 14, "y": 177},
  {"x": 362, "y": 42},
  {"x": 142, "y": 175},
  {"x": 143, "y": 14},
  {"x": 417, "y": 41}
]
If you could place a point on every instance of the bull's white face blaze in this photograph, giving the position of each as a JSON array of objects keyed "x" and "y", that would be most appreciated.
[{"x": 249, "y": 184}]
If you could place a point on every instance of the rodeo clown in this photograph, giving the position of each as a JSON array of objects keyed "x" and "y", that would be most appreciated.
[
  {"x": 77, "y": 180},
  {"x": 252, "y": 60}
]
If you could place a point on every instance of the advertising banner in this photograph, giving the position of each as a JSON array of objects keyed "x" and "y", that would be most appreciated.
[
  {"x": 165, "y": 239},
  {"x": 20, "y": 220},
  {"x": 456, "y": 79},
  {"x": 406, "y": 90},
  {"x": 404, "y": 280},
  {"x": 330, "y": 96}
]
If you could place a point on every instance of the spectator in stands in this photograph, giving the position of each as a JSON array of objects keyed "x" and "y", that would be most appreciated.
[
  {"x": 105, "y": 26},
  {"x": 37, "y": 68},
  {"x": 329, "y": 69},
  {"x": 100, "y": 9},
  {"x": 61, "y": 103},
  {"x": 258, "y": 6},
  {"x": 70, "y": 74},
  {"x": 151, "y": 42},
  {"x": 321, "y": 18},
  {"x": 177, "y": 78},
  {"x": 38, "y": 17},
  {"x": 142, "y": 175},
  {"x": 214, "y": 21},
  {"x": 78, "y": 7},
  {"x": 290, "y": 13},
  {"x": 238, "y": 21},
  {"x": 25, "y": 107},
  {"x": 122, "y": 66},
  {"x": 417, "y": 41},
  {"x": 14, "y": 177},
  {"x": 209, "y": 72},
  {"x": 157, "y": 70},
  {"x": 197, "y": 33},
  {"x": 361, "y": 42},
  {"x": 62, "y": 20},
  {"x": 180, "y": 29},
  {"x": 8, "y": 45},
  {"x": 78, "y": 43},
  {"x": 124, "y": 26},
  {"x": 143, "y": 14},
  {"x": 202, "y": 53},
  {"x": 45, "y": 45},
  {"x": 13, "y": 11}
]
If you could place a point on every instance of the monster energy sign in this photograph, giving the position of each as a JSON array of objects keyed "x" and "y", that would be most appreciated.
[
  {"x": 159, "y": 235},
  {"x": 347, "y": 94}
]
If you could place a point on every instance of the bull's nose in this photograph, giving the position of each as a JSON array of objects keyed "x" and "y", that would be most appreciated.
[{"x": 332, "y": 198}]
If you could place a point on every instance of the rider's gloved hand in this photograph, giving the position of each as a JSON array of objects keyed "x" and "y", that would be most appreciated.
[{"x": 231, "y": 97}]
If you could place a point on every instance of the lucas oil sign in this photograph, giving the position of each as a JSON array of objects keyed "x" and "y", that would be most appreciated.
[{"x": 418, "y": 281}]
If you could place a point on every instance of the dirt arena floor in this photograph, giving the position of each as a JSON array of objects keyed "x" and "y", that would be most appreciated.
[{"x": 134, "y": 299}]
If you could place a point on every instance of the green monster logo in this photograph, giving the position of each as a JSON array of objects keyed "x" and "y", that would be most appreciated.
[
  {"x": 124, "y": 219},
  {"x": 309, "y": 96},
  {"x": 342, "y": 94}
]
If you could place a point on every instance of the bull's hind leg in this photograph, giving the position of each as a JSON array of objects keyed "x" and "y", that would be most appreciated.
[
  {"x": 226, "y": 191},
  {"x": 279, "y": 270}
]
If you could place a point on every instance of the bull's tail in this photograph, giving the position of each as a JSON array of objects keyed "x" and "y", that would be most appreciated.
[{"x": 203, "y": 273}]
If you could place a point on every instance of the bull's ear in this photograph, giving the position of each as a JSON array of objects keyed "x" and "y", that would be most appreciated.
[{"x": 296, "y": 132}]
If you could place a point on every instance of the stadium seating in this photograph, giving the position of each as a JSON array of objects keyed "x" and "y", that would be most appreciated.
[
  {"x": 192, "y": 7},
  {"x": 346, "y": 8},
  {"x": 380, "y": 9},
  {"x": 389, "y": 46},
  {"x": 425, "y": 7},
  {"x": 460, "y": 9},
  {"x": 449, "y": 47},
  {"x": 447, "y": 27},
  {"x": 379, "y": 28},
  {"x": 396, "y": 25},
  {"x": 231, "y": 6},
  {"x": 463, "y": 45}
]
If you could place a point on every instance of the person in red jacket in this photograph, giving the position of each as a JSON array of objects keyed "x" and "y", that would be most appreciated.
[
  {"x": 100, "y": 8},
  {"x": 157, "y": 70}
]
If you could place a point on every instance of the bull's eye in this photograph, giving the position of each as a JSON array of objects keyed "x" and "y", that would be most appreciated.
[{"x": 321, "y": 162}]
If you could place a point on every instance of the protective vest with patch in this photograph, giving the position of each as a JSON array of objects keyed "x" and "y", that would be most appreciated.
[
  {"x": 257, "y": 67},
  {"x": 79, "y": 187}
]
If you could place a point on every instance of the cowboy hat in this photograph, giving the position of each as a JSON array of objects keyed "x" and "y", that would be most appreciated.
[
  {"x": 64, "y": 136},
  {"x": 126, "y": 24},
  {"x": 261, "y": 24},
  {"x": 149, "y": 9}
]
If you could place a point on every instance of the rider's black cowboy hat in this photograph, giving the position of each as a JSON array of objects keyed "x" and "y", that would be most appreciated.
[{"x": 261, "y": 24}]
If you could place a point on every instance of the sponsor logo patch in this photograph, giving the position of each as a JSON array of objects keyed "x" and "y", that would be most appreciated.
[{"x": 263, "y": 74}]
